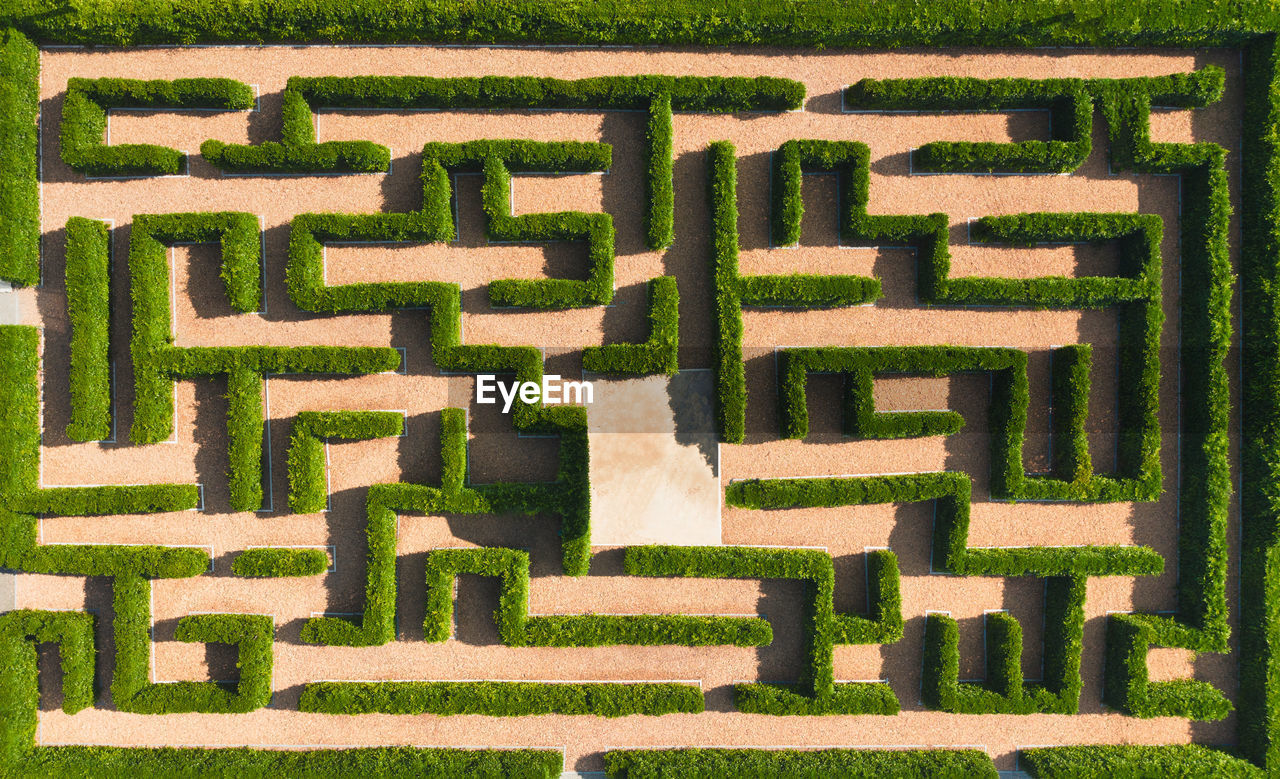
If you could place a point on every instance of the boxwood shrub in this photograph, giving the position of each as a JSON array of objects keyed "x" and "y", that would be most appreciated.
[
  {"x": 501, "y": 699},
  {"x": 308, "y": 485},
  {"x": 19, "y": 159},
  {"x": 88, "y": 279},
  {"x": 84, "y": 120},
  {"x": 280, "y": 562},
  {"x": 660, "y": 353},
  {"x": 780, "y": 763}
]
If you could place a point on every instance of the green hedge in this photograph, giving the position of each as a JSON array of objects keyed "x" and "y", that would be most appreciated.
[
  {"x": 20, "y": 631},
  {"x": 517, "y": 628},
  {"x": 782, "y": 763},
  {"x": 280, "y": 562},
  {"x": 88, "y": 279},
  {"x": 131, "y": 688},
  {"x": 568, "y": 497},
  {"x": 501, "y": 699},
  {"x": 1128, "y": 686},
  {"x": 19, "y": 159},
  {"x": 157, "y": 362},
  {"x": 84, "y": 120},
  {"x": 731, "y": 380},
  {"x": 816, "y": 692},
  {"x": 658, "y": 180},
  {"x": 1259, "y": 717},
  {"x": 1103, "y": 761},
  {"x": 660, "y": 353},
  {"x": 308, "y": 485},
  {"x": 1004, "y": 691},
  {"x": 1067, "y": 100}
]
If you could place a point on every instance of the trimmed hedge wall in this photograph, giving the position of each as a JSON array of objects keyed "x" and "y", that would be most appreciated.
[
  {"x": 660, "y": 353},
  {"x": 157, "y": 362},
  {"x": 88, "y": 280},
  {"x": 784, "y": 763},
  {"x": 1004, "y": 691},
  {"x": 308, "y": 484},
  {"x": 19, "y": 160},
  {"x": 1128, "y": 686},
  {"x": 131, "y": 688},
  {"x": 1067, "y": 100},
  {"x": 280, "y": 562},
  {"x": 20, "y": 631},
  {"x": 517, "y": 628},
  {"x": 731, "y": 380},
  {"x": 1103, "y": 761},
  {"x": 568, "y": 497},
  {"x": 84, "y": 120},
  {"x": 501, "y": 699},
  {"x": 817, "y": 691}
]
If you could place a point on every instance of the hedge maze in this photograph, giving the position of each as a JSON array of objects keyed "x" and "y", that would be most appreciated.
[{"x": 123, "y": 678}]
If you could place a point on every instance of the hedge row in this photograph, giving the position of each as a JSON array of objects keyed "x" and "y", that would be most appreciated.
[
  {"x": 517, "y": 628},
  {"x": 88, "y": 280},
  {"x": 1004, "y": 691},
  {"x": 568, "y": 497},
  {"x": 731, "y": 380},
  {"x": 595, "y": 229},
  {"x": 19, "y": 155},
  {"x": 1102, "y": 761},
  {"x": 659, "y": 179},
  {"x": 816, "y": 692},
  {"x": 1067, "y": 100},
  {"x": 20, "y": 631},
  {"x": 1128, "y": 686},
  {"x": 660, "y": 353},
  {"x": 1259, "y": 689},
  {"x": 501, "y": 699},
  {"x": 84, "y": 120},
  {"x": 308, "y": 483},
  {"x": 157, "y": 362},
  {"x": 951, "y": 551},
  {"x": 275, "y": 562},
  {"x": 131, "y": 688},
  {"x": 783, "y": 763},
  {"x": 1200, "y": 623},
  {"x": 19, "y": 488}
]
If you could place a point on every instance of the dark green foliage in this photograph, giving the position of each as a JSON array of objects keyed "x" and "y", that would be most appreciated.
[
  {"x": 109, "y": 500},
  {"x": 786, "y": 763},
  {"x": 660, "y": 217},
  {"x": 501, "y": 699},
  {"x": 308, "y": 487},
  {"x": 131, "y": 688},
  {"x": 84, "y": 120},
  {"x": 19, "y": 153},
  {"x": 1259, "y": 690},
  {"x": 1067, "y": 100},
  {"x": 659, "y": 354},
  {"x": 808, "y": 291},
  {"x": 157, "y": 362},
  {"x": 88, "y": 278},
  {"x": 731, "y": 380},
  {"x": 518, "y": 629},
  {"x": 1134, "y": 761},
  {"x": 817, "y": 691},
  {"x": 1128, "y": 686},
  {"x": 1004, "y": 691},
  {"x": 280, "y": 562}
]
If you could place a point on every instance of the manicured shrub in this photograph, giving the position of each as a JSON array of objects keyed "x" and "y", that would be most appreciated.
[
  {"x": 1101, "y": 761},
  {"x": 19, "y": 155},
  {"x": 1068, "y": 101},
  {"x": 1128, "y": 686},
  {"x": 280, "y": 562},
  {"x": 779, "y": 763},
  {"x": 518, "y": 629},
  {"x": 660, "y": 353},
  {"x": 731, "y": 381},
  {"x": 84, "y": 120},
  {"x": 660, "y": 217},
  {"x": 308, "y": 485},
  {"x": 131, "y": 688},
  {"x": 88, "y": 277},
  {"x": 501, "y": 699}
]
